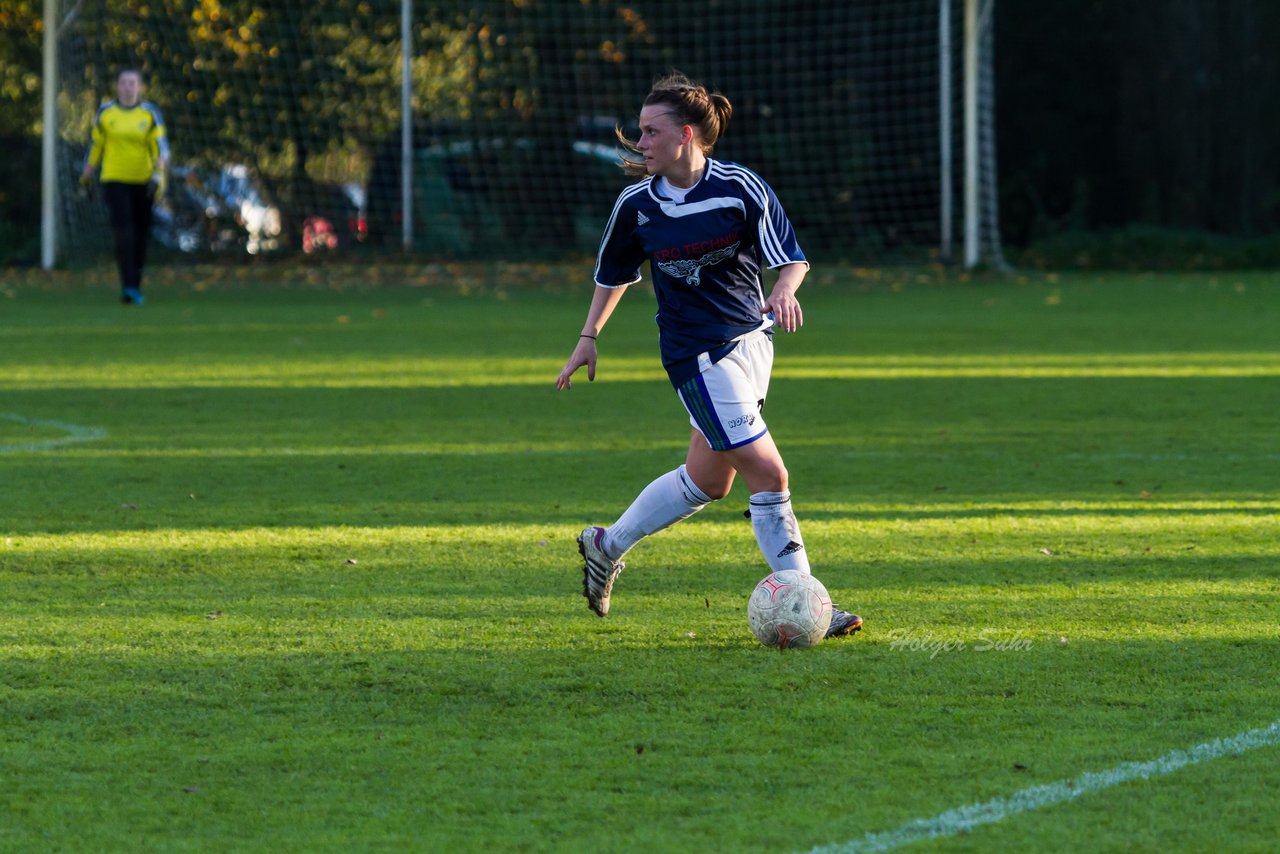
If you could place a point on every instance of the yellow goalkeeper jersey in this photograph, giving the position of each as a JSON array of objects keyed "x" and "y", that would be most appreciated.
[{"x": 128, "y": 142}]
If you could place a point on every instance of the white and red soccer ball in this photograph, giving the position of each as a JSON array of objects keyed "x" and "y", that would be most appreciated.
[{"x": 789, "y": 609}]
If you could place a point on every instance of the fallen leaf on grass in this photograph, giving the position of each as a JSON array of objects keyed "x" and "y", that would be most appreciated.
[{"x": 213, "y": 615}]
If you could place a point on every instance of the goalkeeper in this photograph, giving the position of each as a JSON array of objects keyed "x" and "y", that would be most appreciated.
[{"x": 130, "y": 146}]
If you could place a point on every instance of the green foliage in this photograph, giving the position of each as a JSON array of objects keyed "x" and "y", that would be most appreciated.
[
  {"x": 316, "y": 587},
  {"x": 21, "y": 34},
  {"x": 320, "y": 77},
  {"x": 225, "y": 69}
]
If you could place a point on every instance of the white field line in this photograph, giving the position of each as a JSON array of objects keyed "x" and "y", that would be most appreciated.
[
  {"x": 966, "y": 818},
  {"x": 74, "y": 433}
]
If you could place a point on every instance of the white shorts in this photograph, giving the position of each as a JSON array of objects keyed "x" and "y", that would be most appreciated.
[{"x": 725, "y": 400}]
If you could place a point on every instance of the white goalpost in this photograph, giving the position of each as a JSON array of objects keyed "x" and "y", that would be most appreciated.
[{"x": 48, "y": 141}]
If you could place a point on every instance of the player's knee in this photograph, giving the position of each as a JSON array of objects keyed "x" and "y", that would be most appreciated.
[
  {"x": 772, "y": 478},
  {"x": 712, "y": 486},
  {"x": 717, "y": 490}
]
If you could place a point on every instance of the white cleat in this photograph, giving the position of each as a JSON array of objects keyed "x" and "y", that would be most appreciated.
[{"x": 598, "y": 570}]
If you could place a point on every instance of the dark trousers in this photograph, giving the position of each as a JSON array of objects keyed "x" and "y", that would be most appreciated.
[{"x": 129, "y": 208}]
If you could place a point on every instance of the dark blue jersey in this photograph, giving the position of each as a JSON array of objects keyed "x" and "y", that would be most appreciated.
[{"x": 706, "y": 253}]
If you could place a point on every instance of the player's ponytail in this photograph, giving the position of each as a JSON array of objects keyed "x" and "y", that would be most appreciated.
[{"x": 722, "y": 110}]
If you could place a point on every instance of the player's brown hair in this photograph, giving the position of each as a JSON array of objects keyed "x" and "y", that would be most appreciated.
[{"x": 691, "y": 104}]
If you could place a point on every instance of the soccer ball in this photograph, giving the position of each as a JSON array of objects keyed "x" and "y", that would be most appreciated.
[{"x": 789, "y": 609}]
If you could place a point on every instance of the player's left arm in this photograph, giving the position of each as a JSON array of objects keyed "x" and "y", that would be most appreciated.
[
  {"x": 158, "y": 146},
  {"x": 782, "y": 301},
  {"x": 158, "y": 139},
  {"x": 782, "y": 252}
]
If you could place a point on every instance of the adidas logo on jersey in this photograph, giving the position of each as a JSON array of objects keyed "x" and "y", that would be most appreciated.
[{"x": 641, "y": 219}]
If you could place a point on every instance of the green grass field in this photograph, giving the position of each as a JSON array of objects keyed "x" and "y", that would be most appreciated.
[{"x": 290, "y": 565}]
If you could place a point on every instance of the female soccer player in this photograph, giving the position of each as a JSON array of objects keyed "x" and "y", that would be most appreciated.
[
  {"x": 130, "y": 145},
  {"x": 709, "y": 228}
]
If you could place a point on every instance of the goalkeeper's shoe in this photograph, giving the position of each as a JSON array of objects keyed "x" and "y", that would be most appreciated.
[
  {"x": 843, "y": 623},
  {"x": 598, "y": 570}
]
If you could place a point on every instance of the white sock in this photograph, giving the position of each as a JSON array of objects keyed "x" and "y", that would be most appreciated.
[
  {"x": 661, "y": 504},
  {"x": 777, "y": 531}
]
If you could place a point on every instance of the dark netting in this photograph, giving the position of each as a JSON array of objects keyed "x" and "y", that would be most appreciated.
[{"x": 285, "y": 118}]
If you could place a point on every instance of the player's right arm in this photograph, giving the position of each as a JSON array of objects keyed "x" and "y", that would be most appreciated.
[
  {"x": 603, "y": 302},
  {"x": 94, "y": 158},
  {"x": 617, "y": 266}
]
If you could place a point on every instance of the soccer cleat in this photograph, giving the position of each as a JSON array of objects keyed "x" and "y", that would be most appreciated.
[
  {"x": 131, "y": 296},
  {"x": 598, "y": 570},
  {"x": 843, "y": 623}
]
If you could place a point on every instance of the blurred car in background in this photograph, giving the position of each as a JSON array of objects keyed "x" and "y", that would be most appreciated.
[
  {"x": 216, "y": 211},
  {"x": 499, "y": 195},
  {"x": 192, "y": 218},
  {"x": 336, "y": 218},
  {"x": 229, "y": 210},
  {"x": 260, "y": 221}
]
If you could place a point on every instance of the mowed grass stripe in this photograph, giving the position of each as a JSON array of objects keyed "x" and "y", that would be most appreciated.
[{"x": 462, "y": 372}]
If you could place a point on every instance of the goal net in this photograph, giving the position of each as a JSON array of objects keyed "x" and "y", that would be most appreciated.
[{"x": 285, "y": 120}]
